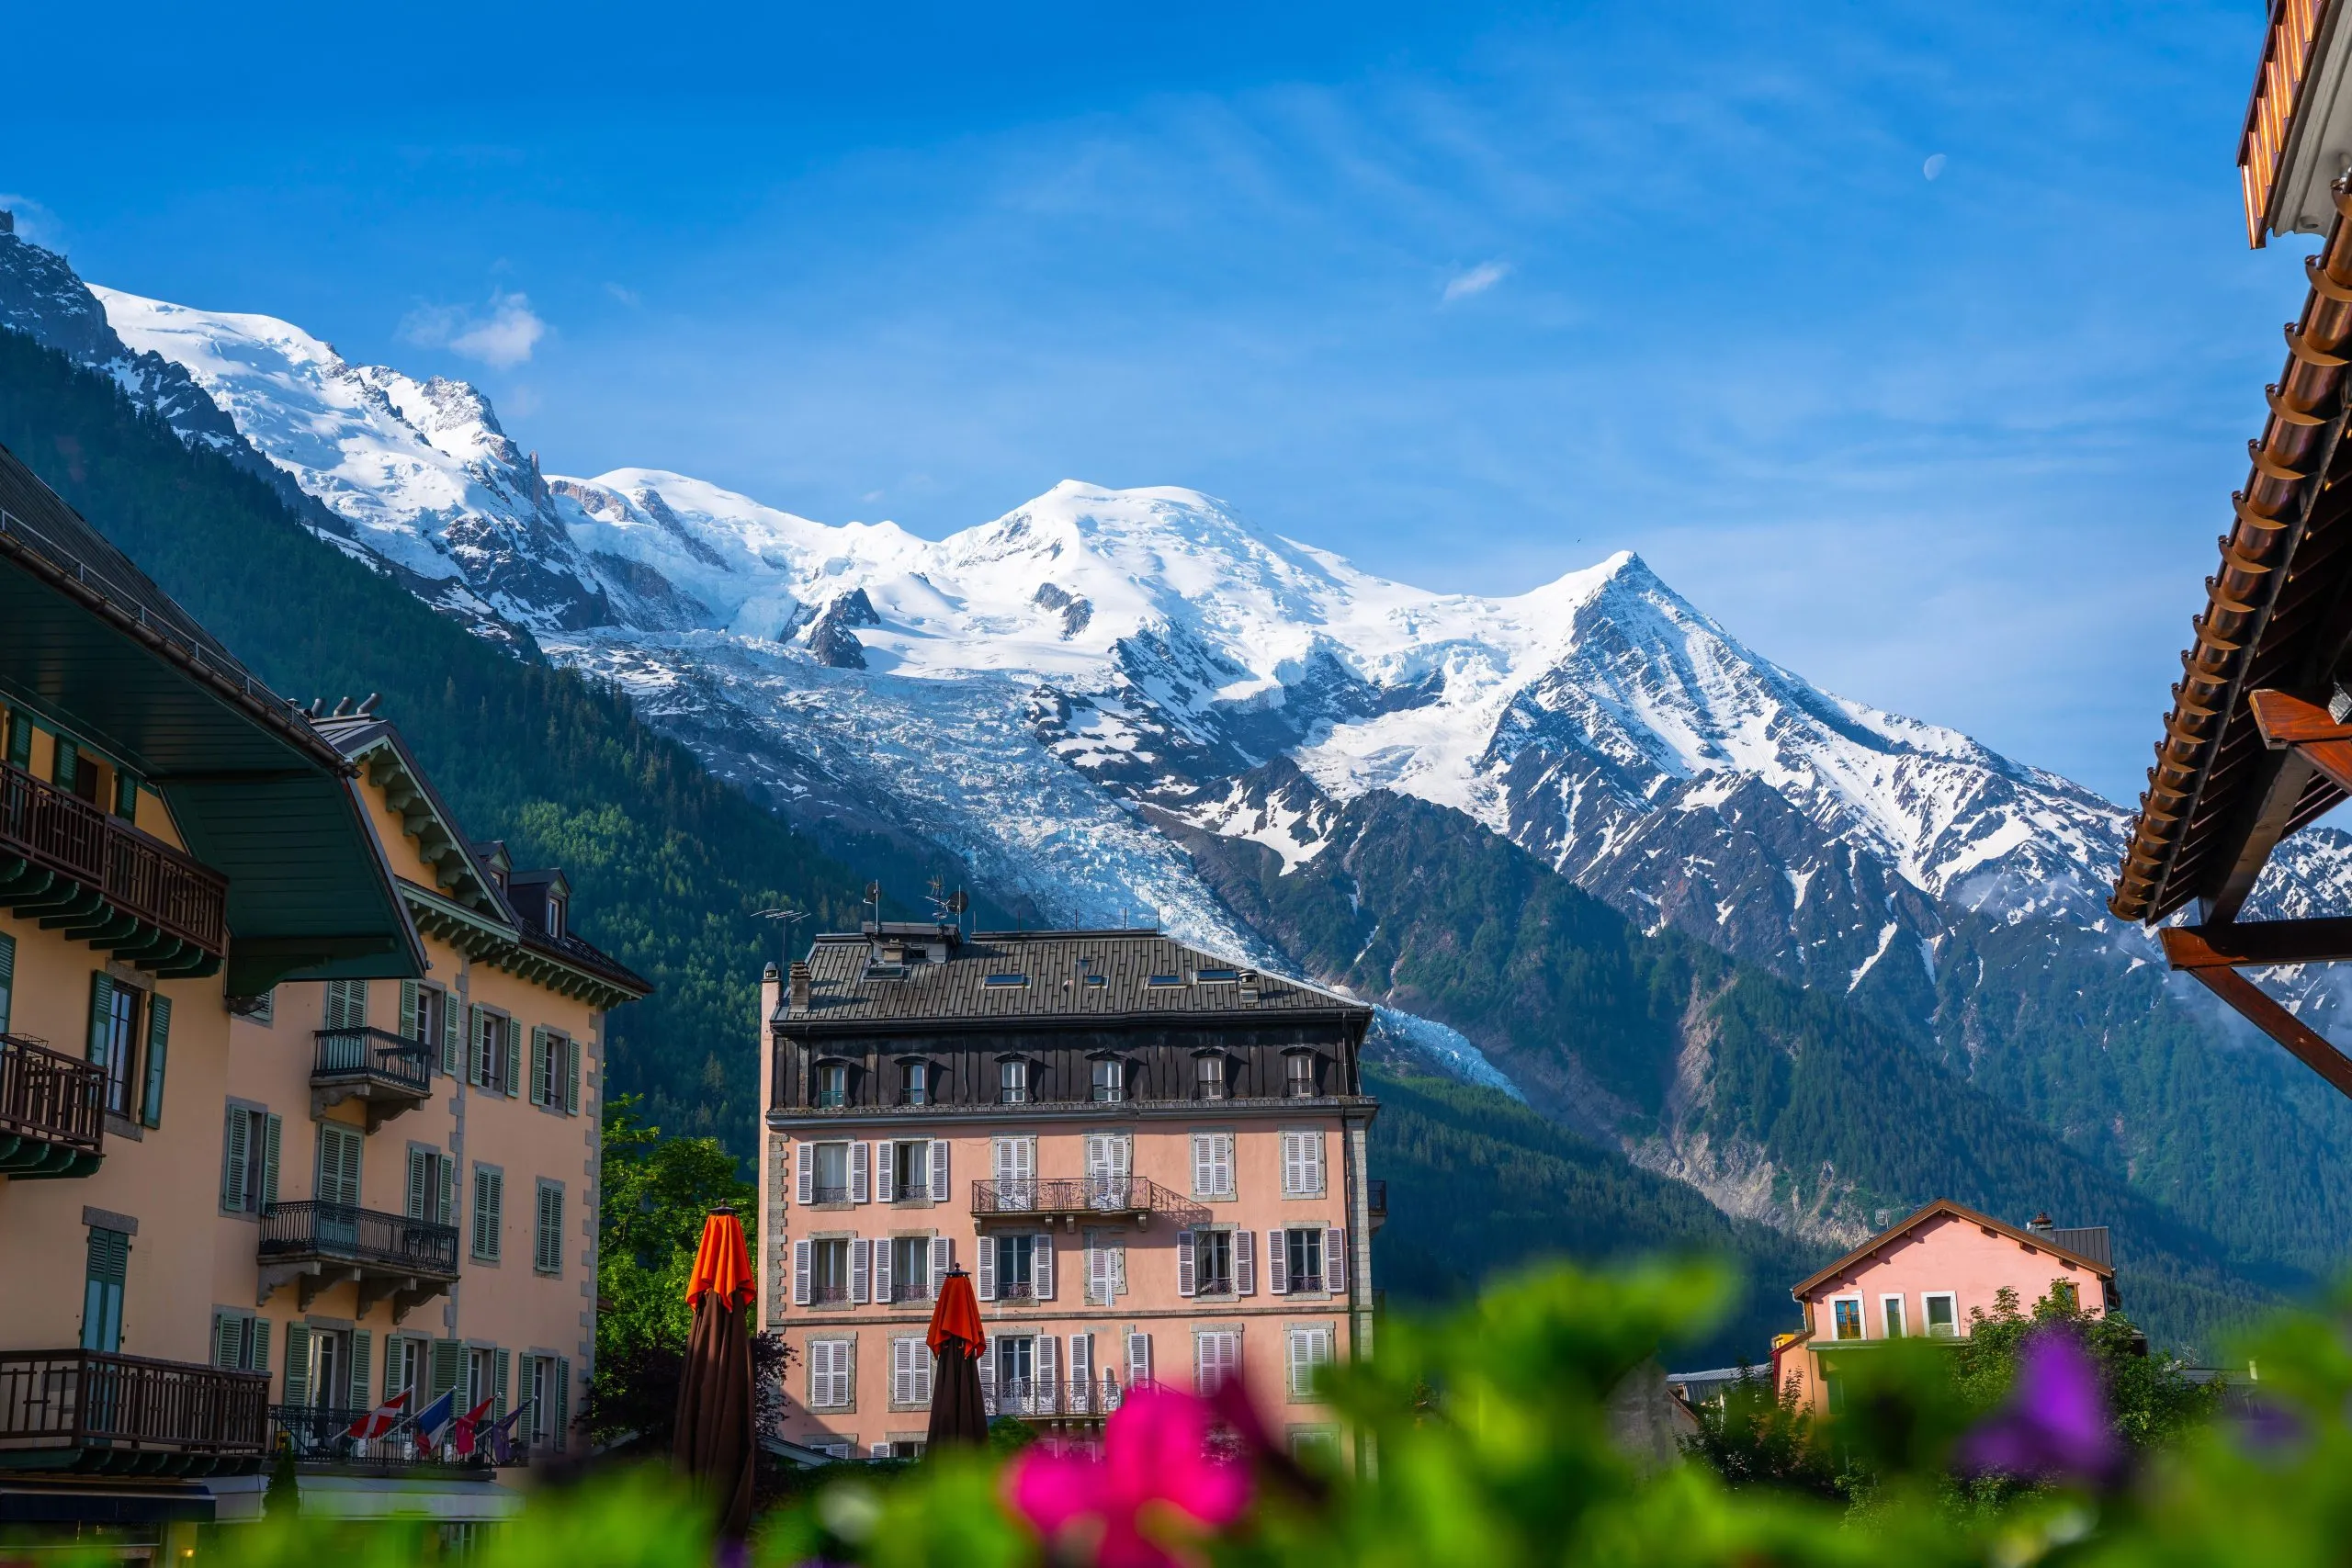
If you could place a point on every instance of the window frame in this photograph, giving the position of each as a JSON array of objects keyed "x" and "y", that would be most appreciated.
[
  {"x": 1899, "y": 1325},
  {"x": 1928, "y": 1315},
  {"x": 1013, "y": 1086},
  {"x": 1210, "y": 1083},
  {"x": 1862, "y": 1319},
  {"x": 829, "y": 1086},
  {"x": 1297, "y": 1083},
  {"x": 1107, "y": 1080}
]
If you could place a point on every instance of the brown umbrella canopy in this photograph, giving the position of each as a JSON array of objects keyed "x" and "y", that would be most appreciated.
[
  {"x": 714, "y": 1446},
  {"x": 956, "y": 1340}
]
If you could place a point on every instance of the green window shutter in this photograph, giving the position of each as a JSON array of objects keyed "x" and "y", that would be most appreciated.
[
  {"x": 7, "y": 976},
  {"x": 101, "y": 1014},
  {"x": 571, "y": 1077},
  {"x": 20, "y": 741},
  {"x": 159, "y": 1042},
  {"x": 499, "y": 1362},
  {"x": 449, "y": 1359},
  {"x": 486, "y": 1195},
  {"x": 298, "y": 1363},
  {"x": 514, "y": 1084},
  {"x": 126, "y": 794},
  {"x": 259, "y": 1353},
  {"x": 417, "y": 1195},
  {"x": 542, "y": 1067},
  {"x": 229, "y": 1341},
  {"x": 61, "y": 770},
  {"x": 362, "y": 1346},
  {"x": 562, "y": 1430},
  {"x": 409, "y": 1030},
  {"x": 452, "y": 1047},
  {"x": 235, "y": 1153},
  {"x": 338, "y": 1179},
  {"x": 271, "y": 1127},
  {"x": 478, "y": 1051}
]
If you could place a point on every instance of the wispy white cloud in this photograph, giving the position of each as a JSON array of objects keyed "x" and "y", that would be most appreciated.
[
  {"x": 36, "y": 224},
  {"x": 502, "y": 338},
  {"x": 1477, "y": 280},
  {"x": 627, "y": 296}
]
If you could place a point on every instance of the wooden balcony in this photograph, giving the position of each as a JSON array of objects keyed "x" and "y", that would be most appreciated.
[
  {"x": 83, "y": 1411},
  {"x": 311, "y": 1245},
  {"x": 1073, "y": 1197},
  {"x": 53, "y": 1111},
  {"x": 390, "y": 1073},
  {"x": 100, "y": 880}
]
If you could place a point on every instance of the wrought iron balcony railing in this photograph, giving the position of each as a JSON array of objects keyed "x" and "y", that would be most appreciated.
[
  {"x": 103, "y": 880},
  {"x": 347, "y": 1232},
  {"x": 319, "y": 1435},
  {"x": 1051, "y": 1396},
  {"x": 84, "y": 1410},
  {"x": 1125, "y": 1196},
  {"x": 391, "y": 1073},
  {"x": 53, "y": 1111}
]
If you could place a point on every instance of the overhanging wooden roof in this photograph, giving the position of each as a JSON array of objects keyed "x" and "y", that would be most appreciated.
[
  {"x": 1945, "y": 1209},
  {"x": 2277, "y": 616}
]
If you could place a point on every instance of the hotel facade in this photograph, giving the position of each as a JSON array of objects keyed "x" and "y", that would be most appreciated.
[{"x": 1151, "y": 1161}]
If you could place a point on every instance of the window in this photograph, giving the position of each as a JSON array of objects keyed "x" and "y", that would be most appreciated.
[
  {"x": 481, "y": 1378},
  {"x": 1846, "y": 1318},
  {"x": 263, "y": 1012},
  {"x": 1016, "y": 1262},
  {"x": 828, "y": 1271},
  {"x": 1016, "y": 1367},
  {"x": 1303, "y": 1164},
  {"x": 318, "y": 1367},
  {"x": 490, "y": 1204},
  {"x": 404, "y": 1370},
  {"x": 114, "y": 1038},
  {"x": 347, "y": 1006},
  {"x": 1305, "y": 1351},
  {"x": 1890, "y": 1313},
  {"x": 830, "y": 1380},
  {"x": 1302, "y": 1257},
  {"x": 1098, "y": 979},
  {"x": 547, "y": 1240},
  {"x": 1216, "y": 976},
  {"x": 7, "y": 977},
  {"x": 1109, "y": 1170},
  {"x": 1106, "y": 1267},
  {"x": 555, "y": 913},
  {"x": 431, "y": 1176},
  {"x": 240, "y": 1342},
  {"x": 916, "y": 1089},
  {"x": 833, "y": 1085},
  {"x": 249, "y": 1161},
  {"x": 337, "y": 1183},
  {"x": 1013, "y": 1082},
  {"x": 910, "y": 1372},
  {"x": 1012, "y": 1162},
  {"x": 910, "y": 1263},
  {"x": 108, "y": 1267},
  {"x": 2063, "y": 1293},
  {"x": 1316, "y": 1447},
  {"x": 1208, "y": 1076},
  {"x": 494, "y": 1066},
  {"x": 543, "y": 1064},
  {"x": 996, "y": 981},
  {"x": 1212, "y": 1165},
  {"x": 1160, "y": 982},
  {"x": 830, "y": 1183},
  {"x": 1216, "y": 1356},
  {"x": 1110, "y": 1079},
  {"x": 1942, "y": 1314},
  {"x": 1298, "y": 1075},
  {"x": 1213, "y": 1262}
]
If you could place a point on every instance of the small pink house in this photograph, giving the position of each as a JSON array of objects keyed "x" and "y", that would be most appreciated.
[{"x": 1924, "y": 1277}]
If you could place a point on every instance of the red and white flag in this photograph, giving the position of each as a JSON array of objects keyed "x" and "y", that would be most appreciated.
[
  {"x": 381, "y": 1419},
  {"x": 462, "y": 1439}
]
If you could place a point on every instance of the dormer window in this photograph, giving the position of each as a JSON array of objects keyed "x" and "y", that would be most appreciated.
[
  {"x": 1110, "y": 1079},
  {"x": 1013, "y": 1082},
  {"x": 1208, "y": 1076},
  {"x": 918, "y": 1083},
  {"x": 1298, "y": 1081},
  {"x": 555, "y": 913},
  {"x": 833, "y": 1085}
]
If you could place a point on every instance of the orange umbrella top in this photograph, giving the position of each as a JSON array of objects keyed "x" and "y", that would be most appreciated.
[
  {"x": 958, "y": 1312},
  {"x": 723, "y": 1263}
]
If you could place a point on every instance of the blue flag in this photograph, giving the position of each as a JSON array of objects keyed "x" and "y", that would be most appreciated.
[{"x": 432, "y": 1418}]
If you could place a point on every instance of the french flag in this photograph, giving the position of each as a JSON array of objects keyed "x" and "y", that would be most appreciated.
[
  {"x": 381, "y": 1419},
  {"x": 432, "y": 1419}
]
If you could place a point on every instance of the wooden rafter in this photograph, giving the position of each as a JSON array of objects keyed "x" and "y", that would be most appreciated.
[{"x": 2252, "y": 1004}]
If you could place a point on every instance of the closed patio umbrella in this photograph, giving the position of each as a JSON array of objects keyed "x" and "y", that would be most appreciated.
[
  {"x": 956, "y": 1340},
  {"x": 714, "y": 1445}
]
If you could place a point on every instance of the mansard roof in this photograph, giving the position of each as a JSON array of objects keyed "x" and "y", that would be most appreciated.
[{"x": 932, "y": 974}]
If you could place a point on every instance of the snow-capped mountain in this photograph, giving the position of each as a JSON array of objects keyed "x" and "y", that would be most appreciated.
[{"x": 1066, "y": 698}]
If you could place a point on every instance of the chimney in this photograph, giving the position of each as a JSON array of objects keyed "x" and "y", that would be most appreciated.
[
  {"x": 2041, "y": 1225},
  {"x": 800, "y": 987}
]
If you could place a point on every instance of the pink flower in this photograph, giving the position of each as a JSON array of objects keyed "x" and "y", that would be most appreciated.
[{"x": 1156, "y": 1480}]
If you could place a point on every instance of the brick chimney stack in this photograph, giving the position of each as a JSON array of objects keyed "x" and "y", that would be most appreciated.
[{"x": 801, "y": 978}]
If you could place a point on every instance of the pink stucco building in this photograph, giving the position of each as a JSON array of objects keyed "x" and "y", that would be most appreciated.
[
  {"x": 1925, "y": 1277},
  {"x": 1150, "y": 1159}
]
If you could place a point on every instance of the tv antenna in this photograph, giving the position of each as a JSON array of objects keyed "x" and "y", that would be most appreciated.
[{"x": 786, "y": 919}]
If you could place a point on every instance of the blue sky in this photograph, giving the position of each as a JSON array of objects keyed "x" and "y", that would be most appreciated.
[{"x": 1472, "y": 294}]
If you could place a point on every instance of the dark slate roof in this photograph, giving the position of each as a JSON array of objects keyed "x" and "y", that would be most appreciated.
[{"x": 847, "y": 987}]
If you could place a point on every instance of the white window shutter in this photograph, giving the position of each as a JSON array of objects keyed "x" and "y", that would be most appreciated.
[
  {"x": 1278, "y": 1263},
  {"x": 1335, "y": 1260},
  {"x": 1000, "y": 1159},
  {"x": 1221, "y": 1144},
  {"x": 1205, "y": 1364},
  {"x": 1048, "y": 1365},
  {"x": 1025, "y": 1156},
  {"x": 858, "y": 1175},
  {"x": 902, "y": 1373},
  {"x": 1295, "y": 1363},
  {"x": 988, "y": 1364},
  {"x": 861, "y": 1253},
  {"x": 883, "y": 1246},
  {"x": 1042, "y": 1266},
  {"x": 1139, "y": 1359},
  {"x": 883, "y": 1173},
  {"x": 1314, "y": 1151},
  {"x": 1184, "y": 1263},
  {"x": 1203, "y": 1163},
  {"x": 800, "y": 1273},
  {"x": 1290, "y": 1165},
  {"x": 1245, "y": 1263},
  {"x": 922, "y": 1370},
  {"x": 985, "y": 1281},
  {"x": 943, "y": 1259},
  {"x": 939, "y": 1170},
  {"x": 1082, "y": 1373},
  {"x": 1098, "y": 1269}
]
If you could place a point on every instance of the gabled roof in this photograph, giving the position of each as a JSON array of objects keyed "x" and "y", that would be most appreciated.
[
  {"x": 1944, "y": 1208},
  {"x": 1043, "y": 977}
]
